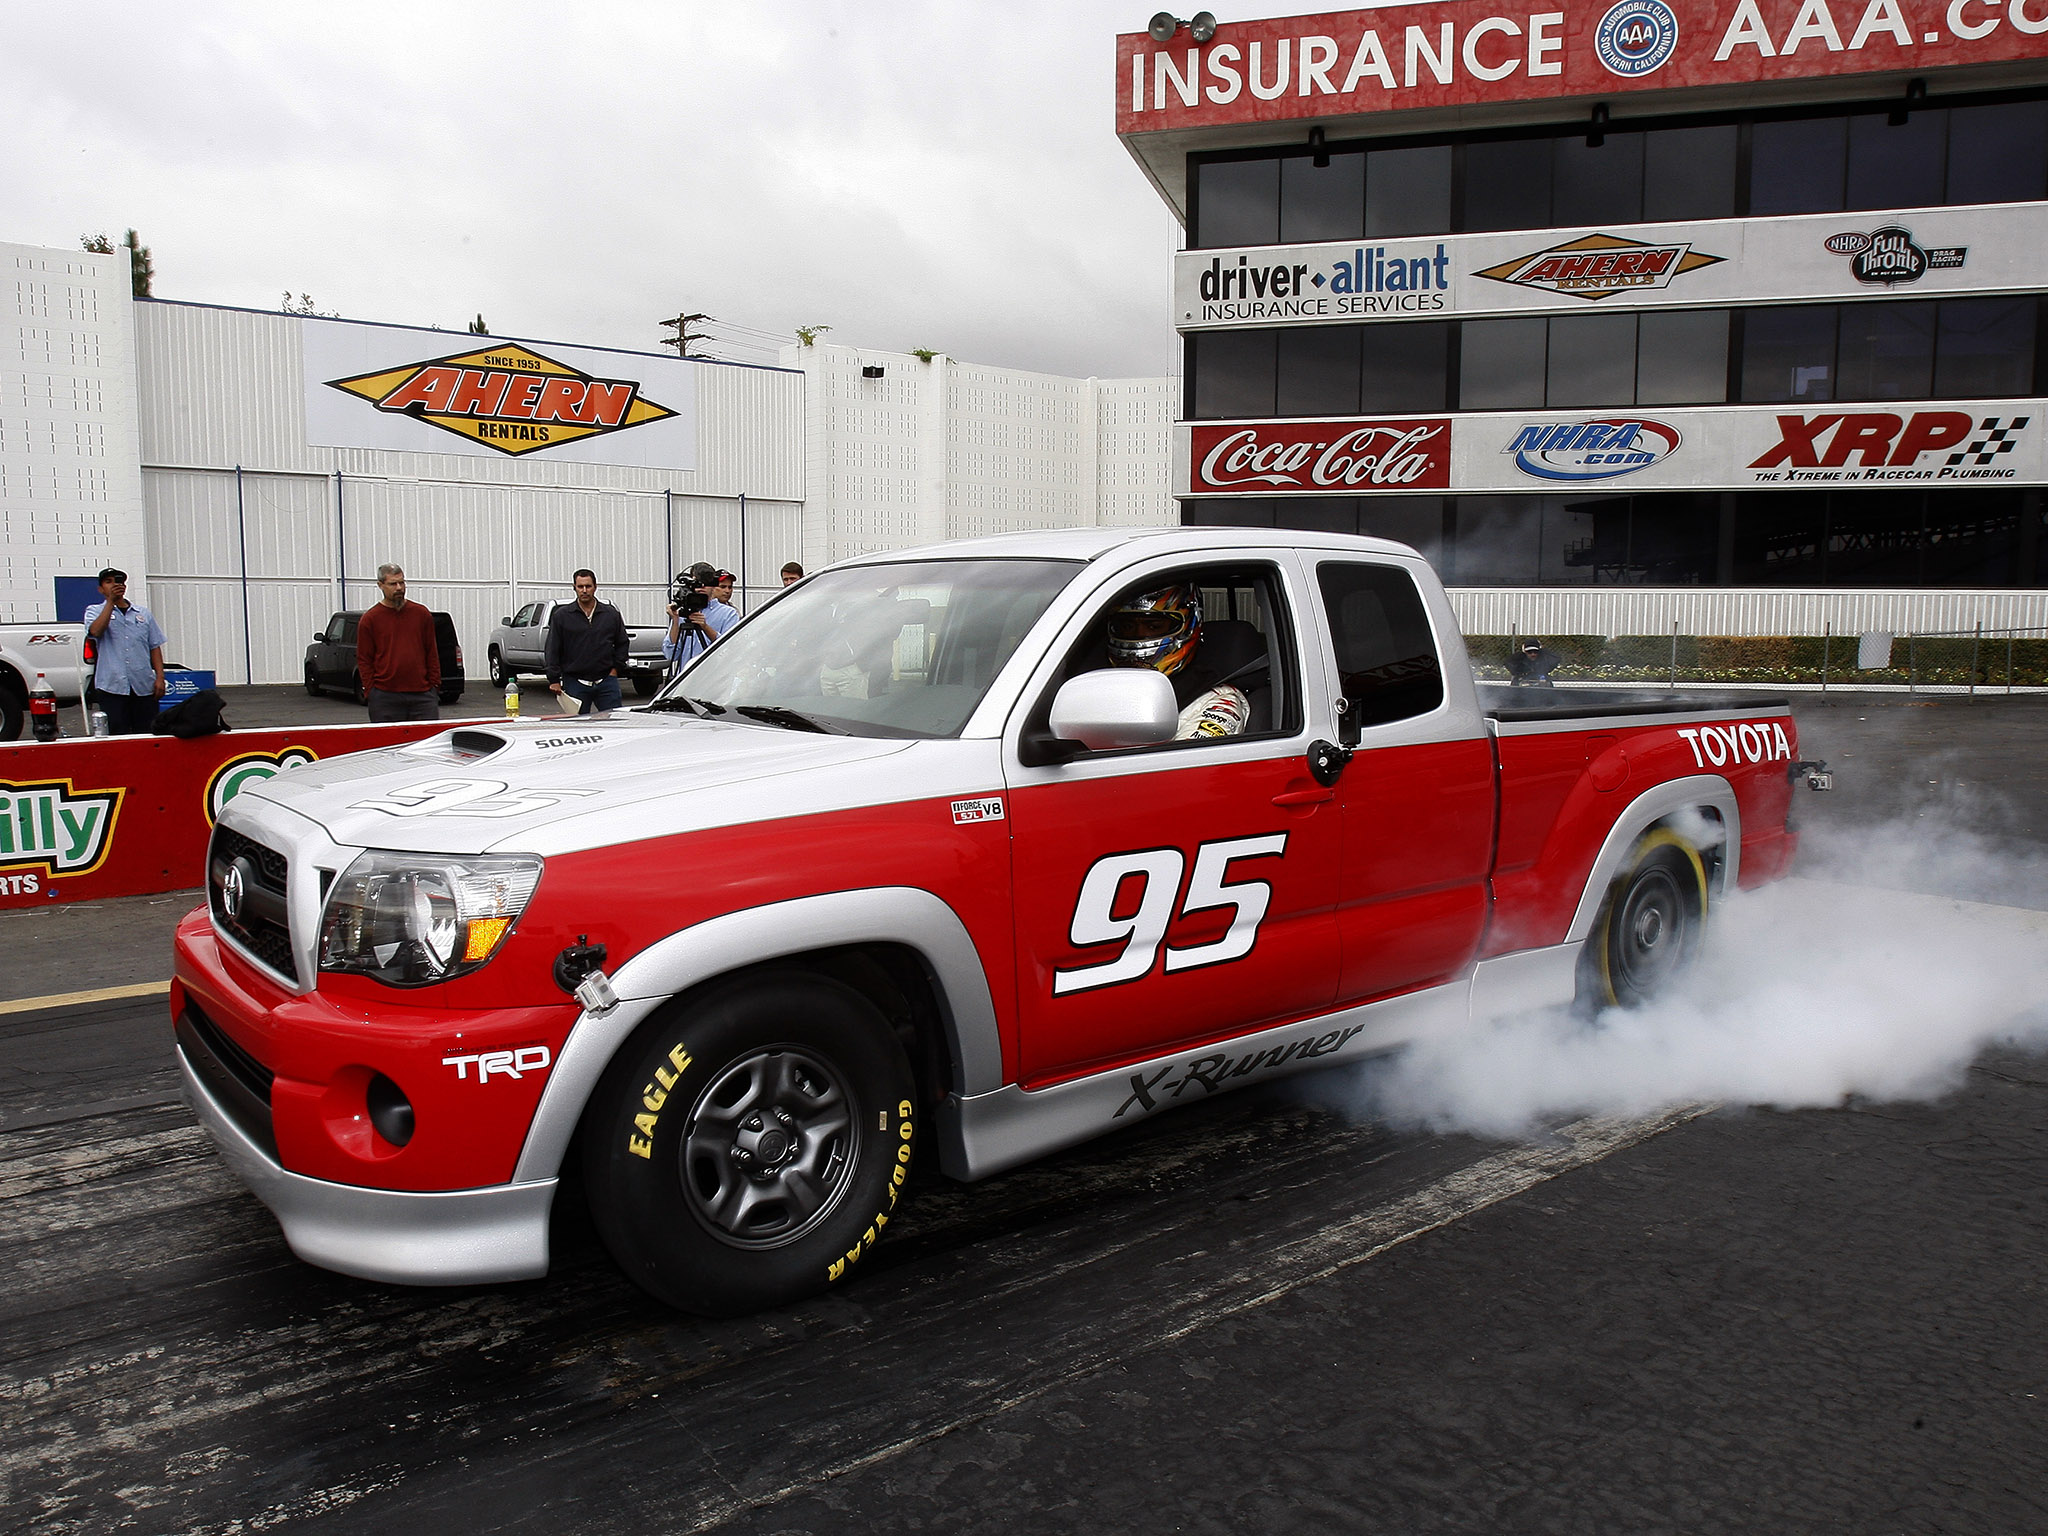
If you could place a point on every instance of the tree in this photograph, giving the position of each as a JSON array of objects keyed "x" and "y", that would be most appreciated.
[
  {"x": 685, "y": 338},
  {"x": 807, "y": 335},
  {"x": 477, "y": 326},
  {"x": 306, "y": 306},
  {"x": 141, "y": 270}
]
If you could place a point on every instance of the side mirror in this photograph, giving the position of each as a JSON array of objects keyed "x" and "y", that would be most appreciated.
[
  {"x": 1116, "y": 707},
  {"x": 319, "y": 636},
  {"x": 506, "y": 621}
]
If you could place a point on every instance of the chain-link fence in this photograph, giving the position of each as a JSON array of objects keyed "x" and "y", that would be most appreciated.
[{"x": 1967, "y": 661}]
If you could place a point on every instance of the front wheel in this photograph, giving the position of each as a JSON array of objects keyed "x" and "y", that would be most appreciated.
[
  {"x": 1649, "y": 933},
  {"x": 13, "y": 713},
  {"x": 749, "y": 1147},
  {"x": 499, "y": 676}
]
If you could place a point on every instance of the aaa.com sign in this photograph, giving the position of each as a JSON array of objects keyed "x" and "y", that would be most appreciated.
[
  {"x": 1458, "y": 52},
  {"x": 1346, "y": 457}
]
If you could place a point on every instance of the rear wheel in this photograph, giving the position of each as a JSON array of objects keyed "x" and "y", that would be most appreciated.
[
  {"x": 356, "y": 690},
  {"x": 647, "y": 684},
  {"x": 748, "y": 1148},
  {"x": 1649, "y": 933},
  {"x": 13, "y": 713}
]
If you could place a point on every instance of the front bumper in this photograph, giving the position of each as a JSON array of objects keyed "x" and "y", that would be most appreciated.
[{"x": 451, "y": 1237}]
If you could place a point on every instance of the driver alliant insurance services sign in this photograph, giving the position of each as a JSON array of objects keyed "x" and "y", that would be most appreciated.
[{"x": 1462, "y": 52}]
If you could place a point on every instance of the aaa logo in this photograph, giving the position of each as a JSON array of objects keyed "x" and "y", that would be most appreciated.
[
  {"x": 238, "y": 773},
  {"x": 509, "y": 397}
]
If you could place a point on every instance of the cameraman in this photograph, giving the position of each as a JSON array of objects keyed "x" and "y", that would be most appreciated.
[{"x": 697, "y": 616}]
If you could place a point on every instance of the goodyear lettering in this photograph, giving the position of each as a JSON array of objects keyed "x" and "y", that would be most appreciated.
[
  {"x": 838, "y": 1266},
  {"x": 1715, "y": 746},
  {"x": 1214, "y": 1072}
]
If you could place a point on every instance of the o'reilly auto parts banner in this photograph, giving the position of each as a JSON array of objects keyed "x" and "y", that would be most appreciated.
[
  {"x": 1946, "y": 443},
  {"x": 1462, "y": 52},
  {"x": 379, "y": 386},
  {"x": 1726, "y": 261}
]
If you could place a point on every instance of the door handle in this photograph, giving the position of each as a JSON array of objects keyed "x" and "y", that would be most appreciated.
[{"x": 1295, "y": 797}]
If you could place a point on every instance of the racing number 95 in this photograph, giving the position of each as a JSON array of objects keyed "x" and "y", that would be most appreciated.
[{"x": 1159, "y": 870}]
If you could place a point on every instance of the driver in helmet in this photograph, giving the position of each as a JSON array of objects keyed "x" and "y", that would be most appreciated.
[{"x": 1161, "y": 629}]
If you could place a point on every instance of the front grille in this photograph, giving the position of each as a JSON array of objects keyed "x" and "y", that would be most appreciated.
[
  {"x": 237, "y": 1081},
  {"x": 261, "y": 927}
]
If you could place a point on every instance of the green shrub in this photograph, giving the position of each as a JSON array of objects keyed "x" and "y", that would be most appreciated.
[{"x": 1770, "y": 659}]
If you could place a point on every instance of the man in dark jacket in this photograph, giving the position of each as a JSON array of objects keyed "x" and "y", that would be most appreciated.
[
  {"x": 1531, "y": 666},
  {"x": 587, "y": 648}
]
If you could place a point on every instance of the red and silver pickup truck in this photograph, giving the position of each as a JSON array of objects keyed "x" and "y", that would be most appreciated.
[{"x": 994, "y": 846}]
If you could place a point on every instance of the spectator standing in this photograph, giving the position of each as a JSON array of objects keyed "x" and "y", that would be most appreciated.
[
  {"x": 792, "y": 573},
  {"x": 397, "y": 654},
  {"x": 587, "y": 646},
  {"x": 690, "y": 633},
  {"x": 128, "y": 674},
  {"x": 1531, "y": 666}
]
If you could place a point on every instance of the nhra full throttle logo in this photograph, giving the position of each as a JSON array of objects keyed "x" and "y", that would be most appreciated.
[
  {"x": 506, "y": 397},
  {"x": 1595, "y": 267},
  {"x": 1887, "y": 257}
]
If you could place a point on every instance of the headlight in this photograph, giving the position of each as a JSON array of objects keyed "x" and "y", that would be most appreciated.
[{"x": 409, "y": 919}]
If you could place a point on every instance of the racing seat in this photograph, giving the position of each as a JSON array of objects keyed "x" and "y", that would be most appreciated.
[{"x": 1234, "y": 652}]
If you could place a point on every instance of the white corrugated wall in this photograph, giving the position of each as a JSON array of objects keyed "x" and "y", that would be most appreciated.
[
  {"x": 1741, "y": 611},
  {"x": 222, "y": 390}
]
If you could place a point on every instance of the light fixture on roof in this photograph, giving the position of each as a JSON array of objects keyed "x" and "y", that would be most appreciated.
[
  {"x": 1201, "y": 27},
  {"x": 1916, "y": 96},
  {"x": 872, "y": 371},
  {"x": 1321, "y": 158},
  {"x": 1596, "y": 127}
]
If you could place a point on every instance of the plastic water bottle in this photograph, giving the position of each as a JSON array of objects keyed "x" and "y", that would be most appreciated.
[
  {"x": 512, "y": 699},
  {"x": 42, "y": 709},
  {"x": 98, "y": 719}
]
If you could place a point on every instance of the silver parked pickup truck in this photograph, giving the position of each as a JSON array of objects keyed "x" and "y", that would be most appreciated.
[{"x": 518, "y": 648}]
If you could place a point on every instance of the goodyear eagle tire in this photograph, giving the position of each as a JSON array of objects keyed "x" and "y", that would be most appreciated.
[
  {"x": 1649, "y": 933},
  {"x": 749, "y": 1147}
]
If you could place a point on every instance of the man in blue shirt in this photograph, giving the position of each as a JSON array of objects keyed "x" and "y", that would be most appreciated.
[
  {"x": 128, "y": 670},
  {"x": 690, "y": 633}
]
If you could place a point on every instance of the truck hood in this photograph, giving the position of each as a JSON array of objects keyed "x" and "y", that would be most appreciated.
[{"x": 528, "y": 785}]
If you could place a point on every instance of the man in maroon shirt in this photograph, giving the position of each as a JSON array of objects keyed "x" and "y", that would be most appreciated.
[{"x": 397, "y": 656}]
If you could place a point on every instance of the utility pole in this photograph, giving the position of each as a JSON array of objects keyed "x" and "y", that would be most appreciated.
[{"x": 688, "y": 332}]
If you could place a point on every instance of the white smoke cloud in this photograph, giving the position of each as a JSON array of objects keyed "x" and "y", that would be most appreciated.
[{"x": 1807, "y": 993}]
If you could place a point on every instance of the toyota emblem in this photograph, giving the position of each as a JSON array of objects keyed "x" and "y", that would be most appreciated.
[{"x": 232, "y": 893}]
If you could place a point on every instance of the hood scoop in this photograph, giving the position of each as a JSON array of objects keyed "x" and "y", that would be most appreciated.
[{"x": 467, "y": 746}]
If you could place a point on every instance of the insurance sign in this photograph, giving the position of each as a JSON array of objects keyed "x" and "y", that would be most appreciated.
[{"x": 1929, "y": 252}]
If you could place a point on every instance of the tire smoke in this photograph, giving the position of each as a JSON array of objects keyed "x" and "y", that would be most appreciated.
[{"x": 1807, "y": 993}]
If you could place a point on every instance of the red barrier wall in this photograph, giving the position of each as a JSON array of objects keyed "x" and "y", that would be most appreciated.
[{"x": 128, "y": 815}]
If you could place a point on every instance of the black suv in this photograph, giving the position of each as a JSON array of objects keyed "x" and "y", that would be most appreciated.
[{"x": 331, "y": 659}]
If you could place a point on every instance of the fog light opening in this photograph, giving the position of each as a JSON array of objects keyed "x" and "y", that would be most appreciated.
[{"x": 390, "y": 1110}]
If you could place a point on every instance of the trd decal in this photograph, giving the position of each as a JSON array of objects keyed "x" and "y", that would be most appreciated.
[
  {"x": 513, "y": 1064},
  {"x": 1095, "y": 920}
]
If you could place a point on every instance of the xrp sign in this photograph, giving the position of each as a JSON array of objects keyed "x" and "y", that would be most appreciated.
[
  {"x": 506, "y": 397},
  {"x": 1347, "y": 456}
]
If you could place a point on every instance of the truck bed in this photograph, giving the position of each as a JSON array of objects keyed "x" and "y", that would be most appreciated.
[{"x": 1499, "y": 701}]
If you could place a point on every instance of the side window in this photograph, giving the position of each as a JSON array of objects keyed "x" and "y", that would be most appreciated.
[
  {"x": 525, "y": 615},
  {"x": 1386, "y": 656},
  {"x": 1234, "y": 674},
  {"x": 348, "y": 630},
  {"x": 335, "y": 626}
]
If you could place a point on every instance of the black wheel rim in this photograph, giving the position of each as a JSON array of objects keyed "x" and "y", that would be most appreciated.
[
  {"x": 1650, "y": 932},
  {"x": 769, "y": 1148}
]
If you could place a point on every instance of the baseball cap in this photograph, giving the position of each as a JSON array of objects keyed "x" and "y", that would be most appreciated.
[{"x": 110, "y": 574}]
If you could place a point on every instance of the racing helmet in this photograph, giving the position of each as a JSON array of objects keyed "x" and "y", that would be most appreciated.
[{"x": 1156, "y": 629}]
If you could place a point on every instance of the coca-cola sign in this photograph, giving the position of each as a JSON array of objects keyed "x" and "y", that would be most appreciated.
[{"x": 1331, "y": 457}]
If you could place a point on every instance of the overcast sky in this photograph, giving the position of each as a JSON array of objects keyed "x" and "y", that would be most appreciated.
[{"x": 911, "y": 174}]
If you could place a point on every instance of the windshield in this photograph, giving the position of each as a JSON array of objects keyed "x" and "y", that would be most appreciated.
[{"x": 874, "y": 650}]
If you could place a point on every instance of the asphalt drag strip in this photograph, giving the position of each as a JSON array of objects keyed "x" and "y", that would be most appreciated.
[{"x": 166, "y": 1364}]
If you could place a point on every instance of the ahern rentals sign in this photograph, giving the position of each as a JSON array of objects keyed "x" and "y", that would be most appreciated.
[
  {"x": 1453, "y": 53},
  {"x": 391, "y": 387}
]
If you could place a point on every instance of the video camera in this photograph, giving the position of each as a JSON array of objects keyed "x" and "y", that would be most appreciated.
[{"x": 685, "y": 597}]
